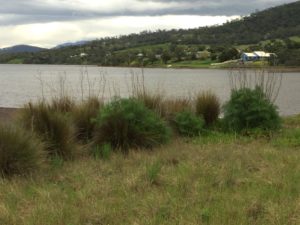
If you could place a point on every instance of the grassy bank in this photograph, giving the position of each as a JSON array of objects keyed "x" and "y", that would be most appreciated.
[
  {"x": 149, "y": 159},
  {"x": 214, "y": 179}
]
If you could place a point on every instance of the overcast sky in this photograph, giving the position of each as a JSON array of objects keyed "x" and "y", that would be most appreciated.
[{"x": 47, "y": 23}]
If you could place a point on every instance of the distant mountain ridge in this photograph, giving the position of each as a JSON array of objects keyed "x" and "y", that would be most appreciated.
[
  {"x": 21, "y": 49},
  {"x": 258, "y": 31},
  {"x": 68, "y": 44}
]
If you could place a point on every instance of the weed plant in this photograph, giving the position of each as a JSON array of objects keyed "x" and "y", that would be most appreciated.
[
  {"x": 250, "y": 109},
  {"x": 127, "y": 123},
  {"x": 188, "y": 124}
]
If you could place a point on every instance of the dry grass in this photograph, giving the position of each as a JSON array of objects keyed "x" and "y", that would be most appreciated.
[
  {"x": 176, "y": 105},
  {"x": 53, "y": 127},
  {"x": 83, "y": 114},
  {"x": 219, "y": 179},
  {"x": 208, "y": 105}
]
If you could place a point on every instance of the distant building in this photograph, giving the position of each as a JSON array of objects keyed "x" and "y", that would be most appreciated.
[
  {"x": 255, "y": 56},
  {"x": 83, "y": 54}
]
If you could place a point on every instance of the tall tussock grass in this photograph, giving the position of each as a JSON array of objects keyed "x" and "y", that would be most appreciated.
[
  {"x": 127, "y": 123},
  {"x": 172, "y": 106},
  {"x": 20, "y": 152},
  {"x": 64, "y": 104},
  {"x": 208, "y": 106},
  {"x": 54, "y": 128},
  {"x": 153, "y": 101},
  {"x": 82, "y": 116}
]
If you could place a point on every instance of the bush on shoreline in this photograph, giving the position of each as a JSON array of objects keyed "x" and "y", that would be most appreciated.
[
  {"x": 188, "y": 124},
  {"x": 127, "y": 123},
  {"x": 20, "y": 152},
  {"x": 250, "y": 109}
]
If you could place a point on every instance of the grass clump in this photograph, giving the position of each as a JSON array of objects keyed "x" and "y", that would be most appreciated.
[
  {"x": 153, "y": 172},
  {"x": 188, "y": 124},
  {"x": 52, "y": 127},
  {"x": 208, "y": 106},
  {"x": 151, "y": 101},
  {"x": 20, "y": 152},
  {"x": 288, "y": 138},
  {"x": 127, "y": 123},
  {"x": 170, "y": 107},
  {"x": 250, "y": 109},
  {"x": 64, "y": 104},
  {"x": 82, "y": 116},
  {"x": 103, "y": 152}
]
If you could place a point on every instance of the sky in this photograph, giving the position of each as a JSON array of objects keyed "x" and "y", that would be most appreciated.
[{"x": 47, "y": 23}]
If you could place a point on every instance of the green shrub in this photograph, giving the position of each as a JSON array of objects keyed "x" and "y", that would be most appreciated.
[
  {"x": 208, "y": 106},
  {"x": 52, "y": 127},
  {"x": 20, "y": 152},
  {"x": 188, "y": 124},
  {"x": 250, "y": 109},
  {"x": 127, "y": 123},
  {"x": 82, "y": 116}
]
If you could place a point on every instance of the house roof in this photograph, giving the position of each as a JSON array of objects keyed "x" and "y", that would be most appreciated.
[
  {"x": 262, "y": 54},
  {"x": 249, "y": 54}
]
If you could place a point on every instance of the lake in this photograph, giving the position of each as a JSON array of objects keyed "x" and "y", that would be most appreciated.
[{"x": 22, "y": 83}]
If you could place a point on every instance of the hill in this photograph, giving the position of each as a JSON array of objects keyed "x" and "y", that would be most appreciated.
[
  {"x": 68, "y": 44},
  {"x": 276, "y": 29},
  {"x": 21, "y": 49}
]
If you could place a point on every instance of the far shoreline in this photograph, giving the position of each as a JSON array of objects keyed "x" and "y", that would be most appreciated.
[{"x": 284, "y": 69}]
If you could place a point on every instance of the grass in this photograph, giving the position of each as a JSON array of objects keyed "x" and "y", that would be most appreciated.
[
  {"x": 193, "y": 64},
  {"x": 213, "y": 179}
]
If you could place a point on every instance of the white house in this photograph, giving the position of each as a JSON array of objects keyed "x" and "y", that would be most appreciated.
[{"x": 257, "y": 55}]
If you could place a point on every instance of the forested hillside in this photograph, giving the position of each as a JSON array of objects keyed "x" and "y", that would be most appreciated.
[{"x": 275, "y": 29}]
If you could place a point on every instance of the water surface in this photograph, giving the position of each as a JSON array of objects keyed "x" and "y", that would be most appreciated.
[{"x": 22, "y": 83}]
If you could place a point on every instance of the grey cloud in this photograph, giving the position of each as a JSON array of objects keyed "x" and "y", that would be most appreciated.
[{"x": 14, "y": 12}]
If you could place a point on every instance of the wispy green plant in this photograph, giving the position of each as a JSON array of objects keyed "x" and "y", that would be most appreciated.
[
  {"x": 103, "y": 152},
  {"x": 153, "y": 172}
]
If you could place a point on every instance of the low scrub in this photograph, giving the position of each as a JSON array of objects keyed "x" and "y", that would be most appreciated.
[
  {"x": 250, "y": 109},
  {"x": 20, "y": 152},
  {"x": 127, "y": 123},
  {"x": 82, "y": 115},
  {"x": 52, "y": 127},
  {"x": 208, "y": 106},
  {"x": 188, "y": 124}
]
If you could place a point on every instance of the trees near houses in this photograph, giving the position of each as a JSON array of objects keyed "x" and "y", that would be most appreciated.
[{"x": 229, "y": 54}]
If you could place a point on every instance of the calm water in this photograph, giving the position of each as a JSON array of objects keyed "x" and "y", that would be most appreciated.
[{"x": 22, "y": 83}]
